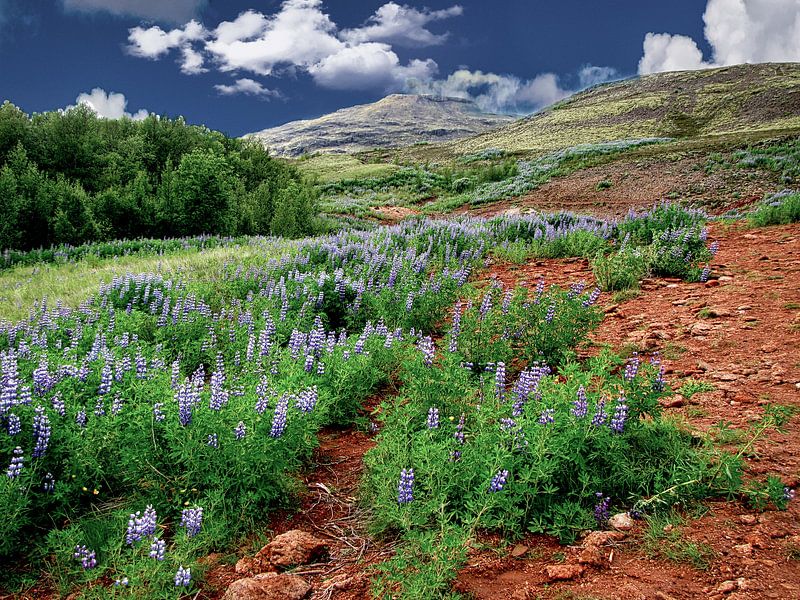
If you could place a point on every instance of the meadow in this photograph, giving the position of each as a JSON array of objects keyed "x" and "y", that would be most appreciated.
[{"x": 166, "y": 414}]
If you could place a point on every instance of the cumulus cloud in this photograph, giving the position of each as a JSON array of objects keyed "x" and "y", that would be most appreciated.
[
  {"x": 110, "y": 105},
  {"x": 402, "y": 26},
  {"x": 246, "y": 86},
  {"x": 172, "y": 11},
  {"x": 738, "y": 31},
  {"x": 301, "y": 38}
]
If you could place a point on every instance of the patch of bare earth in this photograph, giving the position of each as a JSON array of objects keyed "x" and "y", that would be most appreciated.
[{"x": 740, "y": 332}]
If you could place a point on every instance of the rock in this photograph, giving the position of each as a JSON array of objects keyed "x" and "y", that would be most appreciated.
[
  {"x": 675, "y": 401},
  {"x": 519, "y": 551},
  {"x": 726, "y": 587},
  {"x": 293, "y": 548},
  {"x": 621, "y": 522},
  {"x": 247, "y": 566},
  {"x": 712, "y": 283},
  {"x": 743, "y": 549},
  {"x": 593, "y": 557},
  {"x": 725, "y": 376},
  {"x": 268, "y": 586},
  {"x": 703, "y": 365},
  {"x": 601, "y": 538},
  {"x": 564, "y": 572},
  {"x": 725, "y": 278},
  {"x": 700, "y": 328},
  {"x": 744, "y": 307},
  {"x": 748, "y": 519}
]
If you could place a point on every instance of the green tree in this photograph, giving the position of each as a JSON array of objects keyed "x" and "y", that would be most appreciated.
[{"x": 203, "y": 187}]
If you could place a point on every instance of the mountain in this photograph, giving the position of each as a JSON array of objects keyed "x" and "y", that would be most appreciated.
[
  {"x": 394, "y": 121},
  {"x": 684, "y": 104}
]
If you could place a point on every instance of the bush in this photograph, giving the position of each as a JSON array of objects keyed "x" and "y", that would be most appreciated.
[{"x": 780, "y": 209}]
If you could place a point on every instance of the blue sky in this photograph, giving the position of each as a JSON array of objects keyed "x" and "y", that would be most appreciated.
[{"x": 240, "y": 66}]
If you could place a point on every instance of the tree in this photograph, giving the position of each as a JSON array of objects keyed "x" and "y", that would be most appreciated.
[{"x": 203, "y": 188}]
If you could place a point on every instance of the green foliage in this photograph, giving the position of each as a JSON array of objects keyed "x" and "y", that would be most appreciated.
[
  {"x": 691, "y": 387},
  {"x": 780, "y": 209},
  {"x": 71, "y": 177},
  {"x": 620, "y": 270},
  {"x": 605, "y": 184}
]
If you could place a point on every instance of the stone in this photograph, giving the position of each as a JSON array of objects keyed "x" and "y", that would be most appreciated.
[
  {"x": 621, "y": 522},
  {"x": 712, "y": 283},
  {"x": 675, "y": 401},
  {"x": 293, "y": 548},
  {"x": 748, "y": 519},
  {"x": 593, "y": 557},
  {"x": 726, "y": 587},
  {"x": 601, "y": 538},
  {"x": 519, "y": 551},
  {"x": 743, "y": 549},
  {"x": 268, "y": 586},
  {"x": 564, "y": 572},
  {"x": 700, "y": 328}
]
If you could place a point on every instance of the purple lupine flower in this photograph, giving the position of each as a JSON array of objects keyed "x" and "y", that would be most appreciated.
[
  {"x": 99, "y": 407},
  {"x": 405, "y": 489},
  {"x": 105, "y": 379},
  {"x": 191, "y": 520},
  {"x": 788, "y": 494},
  {"x": 213, "y": 440},
  {"x": 705, "y": 274},
  {"x": 175, "y": 374},
  {"x": 157, "y": 549},
  {"x": 498, "y": 481},
  {"x": 486, "y": 304},
  {"x": 500, "y": 381},
  {"x": 599, "y": 417},
  {"x": 426, "y": 346},
  {"x": 602, "y": 510},
  {"x": 309, "y": 364},
  {"x": 41, "y": 432},
  {"x": 86, "y": 556},
  {"x": 80, "y": 418},
  {"x": 9, "y": 381},
  {"x": 632, "y": 368},
  {"x": 580, "y": 406},
  {"x": 141, "y": 365},
  {"x": 240, "y": 431},
  {"x": 15, "y": 468},
  {"x": 620, "y": 415},
  {"x": 433, "y": 418},
  {"x": 590, "y": 301},
  {"x": 576, "y": 289},
  {"x": 547, "y": 417},
  {"x": 116, "y": 404},
  {"x": 185, "y": 398},
  {"x": 506, "y": 302},
  {"x": 658, "y": 382},
  {"x": 714, "y": 248},
  {"x": 279, "y": 417},
  {"x": 459, "y": 434},
  {"x": 58, "y": 404},
  {"x": 49, "y": 484},
  {"x": 455, "y": 330},
  {"x": 42, "y": 381},
  {"x": 307, "y": 399},
  {"x": 13, "y": 424},
  {"x": 141, "y": 526},
  {"x": 551, "y": 313},
  {"x": 183, "y": 577},
  {"x": 158, "y": 414},
  {"x": 121, "y": 582}
]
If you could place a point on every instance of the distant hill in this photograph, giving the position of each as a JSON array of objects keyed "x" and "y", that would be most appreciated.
[
  {"x": 394, "y": 121},
  {"x": 685, "y": 104}
]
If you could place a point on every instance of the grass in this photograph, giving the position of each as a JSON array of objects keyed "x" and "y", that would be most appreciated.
[
  {"x": 664, "y": 539},
  {"x": 691, "y": 387},
  {"x": 327, "y": 168},
  {"x": 73, "y": 283}
]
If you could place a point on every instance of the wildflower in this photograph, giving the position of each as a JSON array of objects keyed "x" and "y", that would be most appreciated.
[
  {"x": 602, "y": 509},
  {"x": 551, "y": 313},
  {"x": 116, "y": 404},
  {"x": 599, "y": 417},
  {"x": 426, "y": 346},
  {"x": 580, "y": 406},
  {"x": 658, "y": 382},
  {"x": 158, "y": 548},
  {"x": 86, "y": 556},
  {"x": 714, "y": 248},
  {"x": 183, "y": 577},
  {"x": 405, "y": 489},
  {"x": 158, "y": 415},
  {"x": 279, "y": 417},
  {"x": 590, "y": 301},
  {"x": 500, "y": 381},
  {"x": 486, "y": 305},
  {"x": 121, "y": 582},
  {"x": 498, "y": 481},
  {"x": 433, "y": 418},
  {"x": 617, "y": 423},
  {"x": 788, "y": 494},
  {"x": 15, "y": 468},
  {"x": 140, "y": 527},
  {"x": 192, "y": 519},
  {"x": 705, "y": 274},
  {"x": 49, "y": 483},
  {"x": 632, "y": 368},
  {"x": 547, "y": 417},
  {"x": 240, "y": 431},
  {"x": 13, "y": 424},
  {"x": 212, "y": 440},
  {"x": 105, "y": 380},
  {"x": 58, "y": 404},
  {"x": 459, "y": 434}
]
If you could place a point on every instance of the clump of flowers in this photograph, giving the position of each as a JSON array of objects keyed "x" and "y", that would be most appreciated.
[
  {"x": 86, "y": 556},
  {"x": 405, "y": 489},
  {"x": 602, "y": 510},
  {"x": 191, "y": 520},
  {"x": 498, "y": 481},
  {"x": 183, "y": 577}
]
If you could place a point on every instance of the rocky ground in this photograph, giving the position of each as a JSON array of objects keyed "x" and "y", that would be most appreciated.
[{"x": 740, "y": 332}]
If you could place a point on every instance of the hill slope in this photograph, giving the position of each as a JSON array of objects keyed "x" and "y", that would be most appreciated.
[
  {"x": 396, "y": 120},
  {"x": 684, "y": 104}
]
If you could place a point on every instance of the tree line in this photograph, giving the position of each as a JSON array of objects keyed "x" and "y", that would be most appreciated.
[{"x": 69, "y": 177}]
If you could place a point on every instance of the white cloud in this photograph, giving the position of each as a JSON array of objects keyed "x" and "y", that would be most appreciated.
[
  {"x": 154, "y": 42},
  {"x": 590, "y": 75},
  {"x": 110, "y": 105},
  {"x": 173, "y": 11},
  {"x": 369, "y": 66},
  {"x": 738, "y": 31},
  {"x": 402, "y": 26},
  {"x": 246, "y": 86}
]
